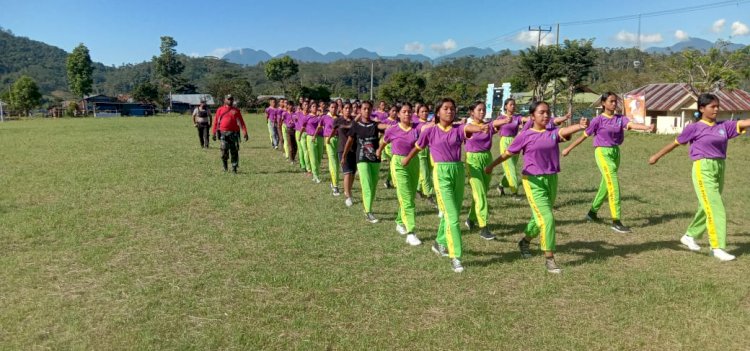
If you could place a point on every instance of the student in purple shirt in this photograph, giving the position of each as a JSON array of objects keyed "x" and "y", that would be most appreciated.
[
  {"x": 270, "y": 116},
  {"x": 301, "y": 136},
  {"x": 608, "y": 130},
  {"x": 541, "y": 158},
  {"x": 332, "y": 145},
  {"x": 315, "y": 146},
  {"x": 391, "y": 120},
  {"x": 478, "y": 156},
  {"x": 445, "y": 140},
  {"x": 401, "y": 139},
  {"x": 708, "y": 141},
  {"x": 507, "y": 134},
  {"x": 425, "y": 189},
  {"x": 289, "y": 135},
  {"x": 381, "y": 113},
  {"x": 280, "y": 124}
]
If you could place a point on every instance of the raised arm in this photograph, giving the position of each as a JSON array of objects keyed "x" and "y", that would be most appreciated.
[
  {"x": 470, "y": 129},
  {"x": 663, "y": 152},
  {"x": 560, "y": 120},
  {"x": 642, "y": 127},
  {"x": 743, "y": 124},
  {"x": 568, "y": 131},
  {"x": 501, "y": 122}
]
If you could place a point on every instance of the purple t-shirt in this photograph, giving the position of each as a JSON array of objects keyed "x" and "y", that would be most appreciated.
[
  {"x": 401, "y": 140},
  {"x": 530, "y": 123},
  {"x": 608, "y": 131},
  {"x": 379, "y": 116},
  {"x": 510, "y": 129},
  {"x": 287, "y": 118},
  {"x": 709, "y": 140},
  {"x": 541, "y": 153},
  {"x": 312, "y": 125},
  {"x": 444, "y": 144},
  {"x": 328, "y": 125},
  {"x": 390, "y": 122},
  {"x": 301, "y": 122},
  {"x": 268, "y": 113},
  {"x": 480, "y": 142}
]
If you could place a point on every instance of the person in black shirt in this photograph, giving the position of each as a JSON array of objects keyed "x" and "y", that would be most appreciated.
[{"x": 348, "y": 161}]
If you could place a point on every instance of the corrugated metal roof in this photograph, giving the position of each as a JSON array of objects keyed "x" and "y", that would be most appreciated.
[
  {"x": 672, "y": 96},
  {"x": 193, "y": 99}
]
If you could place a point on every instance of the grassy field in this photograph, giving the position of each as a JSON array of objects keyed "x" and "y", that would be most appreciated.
[{"x": 123, "y": 234}]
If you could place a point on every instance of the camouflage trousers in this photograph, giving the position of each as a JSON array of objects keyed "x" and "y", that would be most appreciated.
[{"x": 230, "y": 145}]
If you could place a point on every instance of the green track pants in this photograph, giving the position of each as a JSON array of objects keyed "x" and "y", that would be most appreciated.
[
  {"x": 425, "y": 172},
  {"x": 541, "y": 191},
  {"x": 333, "y": 159},
  {"x": 315, "y": 153},
  {"x": 480, "y": 184},
  {"x": 708, "y": 181},
  {"x": 608, "y": 160},
  {"x": 368, "y": 180},
  {"x": 510, "y": 167},
  {"x": 304, "y": 162},
  {"x": 286, "y": 140},
  {"x": 449, "y": 178},
  {"x": 406, "y": 180}
]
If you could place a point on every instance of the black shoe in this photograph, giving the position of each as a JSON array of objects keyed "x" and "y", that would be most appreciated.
[
  {"x": 485, "y": 234},
  {"x": 591, "y": 216},
  {"x": 469, "y": 225},
  {"x": 225, "y": 164},
  {"x": 524, "y": 247},
  {"x": 388, "y": 184},
  {"x": 619, "y": 227},
  {"x": 234, "y": 170},
  {"x": 439, "y": 250},
  {"x": 501, "y": 190}
]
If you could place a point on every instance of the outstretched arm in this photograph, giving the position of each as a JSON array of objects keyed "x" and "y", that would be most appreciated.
[
  {"x": 566, "y": 132},
  {"x": 502, "y": 158},
  {"x": 663, "y": 152},
  {"x": 642, "y": 127},
  {"x": 743, "y": 124},
  {"x": 470, "y": 129},
  {"x": 501, "y": 122},
  {"x": 560, "y": 120}
]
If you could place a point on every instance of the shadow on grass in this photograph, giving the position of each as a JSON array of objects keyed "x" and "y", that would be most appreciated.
[
  {"x": 592, "y": 251},
  {"x": 587, "y": 200}
]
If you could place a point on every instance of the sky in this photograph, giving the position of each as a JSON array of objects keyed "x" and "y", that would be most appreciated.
[{"x": 122, "y": 32}]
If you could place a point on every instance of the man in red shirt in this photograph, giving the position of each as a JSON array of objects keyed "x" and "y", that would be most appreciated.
[{"x": 228, "y": 121}]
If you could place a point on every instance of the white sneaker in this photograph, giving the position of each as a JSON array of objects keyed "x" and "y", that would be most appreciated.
[
  {"x": 316, "y": 180},
  {"x": 440, "y": 214},
  {"x": 412, "y": 240},
  {"x": 722, "y": 255},
  {"x": 348, "y": 202},
  {"x": 690, "y": 243},
  {"x": 401, "y": 229}
]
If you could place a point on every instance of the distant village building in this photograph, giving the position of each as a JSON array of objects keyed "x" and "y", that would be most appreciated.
[
  {"x": 101, "y": 105},
  {"x": 182, "y": 103},
  {"x": 671, "y": 105}
]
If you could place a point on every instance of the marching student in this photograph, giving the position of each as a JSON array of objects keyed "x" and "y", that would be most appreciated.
[
  {"x": 270, "y": 116},
  {"x": 478, "y": 156},
  {"x": 366, "y": 134},
  {"x": 425, "y": 188},
  {"x": 445, "y": 140},
  {"x": 708, "y": 139},
  {"x": 280, "y": 123},
  {"x": 381, "y": 113},
  {"x": 286, "y": 115},
  {"x": 300, "y": 126},
  {"x": 401, "y": 139},
  {"x": 314, "y": 131},
  {"x": 290, "y": 141},
  {"x": 391, "y": 120},
  {"x": 349, "y": 160},
  {"x": 608, "y": 130},
  {"x": 541, "y": 158},
  {"x": 332, "y": 145},
  {"x": 508, "y": 133}
]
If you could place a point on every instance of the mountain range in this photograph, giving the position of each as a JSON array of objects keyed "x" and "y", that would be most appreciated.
[
  {"x": 252, "y": 57},
  {"x": 691, "y": 43}
]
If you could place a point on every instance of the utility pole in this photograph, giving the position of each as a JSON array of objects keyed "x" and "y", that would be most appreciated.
[
  {"x": 372, "y": 73},
  {"x": 557, "y": 36},
  {"x": 539, "y": 31},
  {"x": 638, "y": 39}
]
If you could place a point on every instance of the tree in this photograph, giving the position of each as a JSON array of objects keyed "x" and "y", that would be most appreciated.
[
  {"x": 712, "y": 71},
  {"x": 539, "y": 67},
  {"x": 574, "y": 62},
  {"x": 281, "y": 70},
  {"x": 318, "y": 92},
  {"x": 454, "y": 82},
  {"x": 25, "y": 95},
  {"x": 402, "y": 86},
  {"x": 227, "y": 83},
  {"x": 80, "y": 71},
  {"x": 146, "y": 92},
  {"x": 168, "y": 66}
]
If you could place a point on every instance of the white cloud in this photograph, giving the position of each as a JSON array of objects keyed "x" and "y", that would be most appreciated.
[
  {"x": 531, "y": 38},
  {"x": 220, "y": 52},
  {"x": 632, "y": 38},
  {"x": 718, "y": 26},
  {"x": 414, "y": 47},
  {"x": 681, "y": 35},
  {"x": 444, "y": 47},
  {"x": 739, "y": 28}
]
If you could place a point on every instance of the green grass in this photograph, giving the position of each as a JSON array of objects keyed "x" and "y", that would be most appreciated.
[{"x": 123, "y": 234}]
